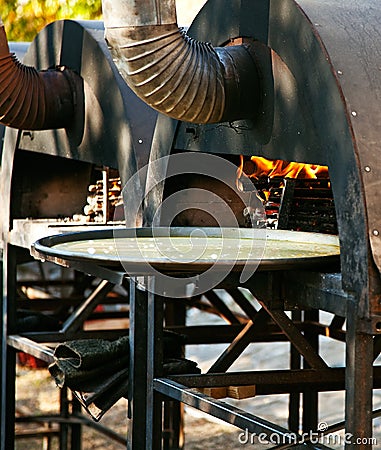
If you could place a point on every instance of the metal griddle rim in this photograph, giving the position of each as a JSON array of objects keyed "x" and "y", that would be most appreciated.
[{"x": 44, "y": 249}]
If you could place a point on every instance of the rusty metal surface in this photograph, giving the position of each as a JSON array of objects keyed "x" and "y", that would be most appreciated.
[
  {"x": 19, "y": 49},
  {"x": 121, "y": 13},
  {"x": 43, "y": 189},
  {"x": 351, "y": 32},
  {"x": 31, "y": 99},
  {"x": 112, "y": 127},
  {"x": 309, "y": 114},
  {"x": 176, "y": 75}
]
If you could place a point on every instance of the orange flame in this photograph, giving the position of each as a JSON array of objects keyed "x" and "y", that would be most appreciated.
[{"x": 259, "y": 167}]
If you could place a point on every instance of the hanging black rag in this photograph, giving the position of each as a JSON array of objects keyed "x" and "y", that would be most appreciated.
[{"x": 96, "y": 370}]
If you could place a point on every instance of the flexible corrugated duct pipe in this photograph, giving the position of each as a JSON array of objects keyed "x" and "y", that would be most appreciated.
[
  {"x": 176, "y": 75},
  {"x": 31, "y": 99}
]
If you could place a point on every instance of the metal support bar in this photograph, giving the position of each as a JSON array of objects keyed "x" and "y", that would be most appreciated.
[
  {"x": 8, "y": 355},
  {"x": 220, "y": 305},
  {"x": 138, "y": 383},
  {"x": 359, "y": 380},
  {"x": 74, "y": 419},
  {"x": 240, "y": 343},
  {"x": 242, "y": 302},
  {"x": 294, "y": 397},
  {"x": 296, "y": 338},
  {"x": 64, "y": 426},
  {"x": 53, "y": 337},
  {"x": 219, "y": 334},
  {"x": 146, "y": 322},
  {"x": 76, "y": 429},
  {"x": 173, "y": 417},
  {"x": 228, "y": 413},
  {"x": 234, "y": 350},
  {"x": 84, "y": 310},
  {"x": 274, "y": 381},
  {"x": 31, "y": 348},
  {"x": 310, "y": 398},
  {"x": 315, "y": 290}
]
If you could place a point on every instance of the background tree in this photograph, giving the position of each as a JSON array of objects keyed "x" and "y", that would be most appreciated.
[{"x": 23, "y": 19}]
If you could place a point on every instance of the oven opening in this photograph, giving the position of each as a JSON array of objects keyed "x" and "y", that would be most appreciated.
[
  {"x": 64, "y": 190},
  {"x": 294, "y": 196}
]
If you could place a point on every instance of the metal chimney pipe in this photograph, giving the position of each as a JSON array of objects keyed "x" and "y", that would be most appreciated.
[
  {"x": 185, "y": 79},
  {"x": 31, "y": 99}
]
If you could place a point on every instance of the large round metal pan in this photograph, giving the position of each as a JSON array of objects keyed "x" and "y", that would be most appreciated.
[{"x": 192, "y": 249}]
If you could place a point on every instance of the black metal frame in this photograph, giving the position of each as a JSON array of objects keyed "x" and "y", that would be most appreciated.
[
  {"x": 273, "y": 290},
  {"x": 328, "y": 116},
  {"x": 276, "y": 291},
  {"x": 146, "y": 326},
  {"x": 121, "y": 142}
]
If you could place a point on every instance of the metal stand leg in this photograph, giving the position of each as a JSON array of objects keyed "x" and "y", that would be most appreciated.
[
  {"x": 311, "y": 398},
  {"x": 76, "y": 429},
  {"x": 145, "y": 406},
  {"x": 8, "y": 355},
  {"x": 64, "y": 413},
  {"x": 294, "y": 401},
  {"x": 173, "y": 439},
  {"x": 3, "y": 371},
  {"x": 359, "y": 383}
]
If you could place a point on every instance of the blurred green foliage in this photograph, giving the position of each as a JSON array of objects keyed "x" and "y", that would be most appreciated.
[{"x": 23, "y": 19}]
